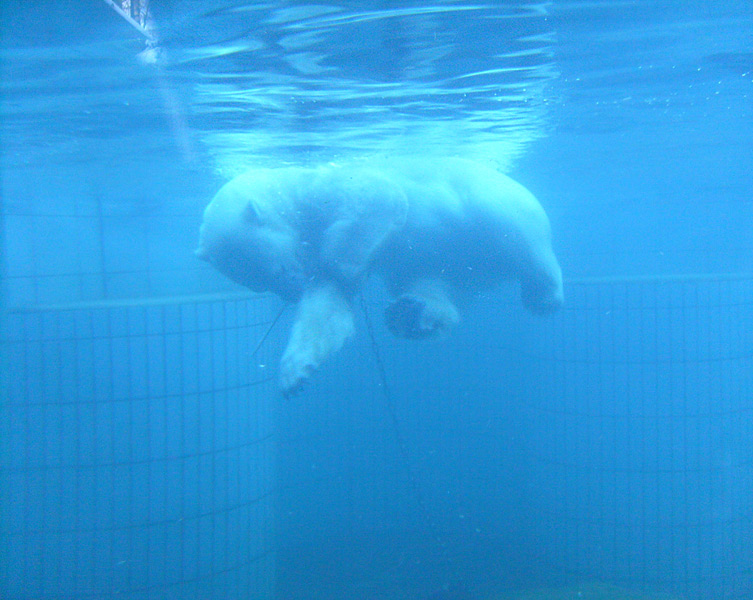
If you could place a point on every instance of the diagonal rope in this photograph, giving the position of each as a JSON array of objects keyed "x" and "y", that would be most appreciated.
[
  {"x": 269, "y": 330},
  {"x": 389, "y": 400}
]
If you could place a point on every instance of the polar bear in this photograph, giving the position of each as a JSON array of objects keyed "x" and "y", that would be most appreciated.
[{"x": 435, "y": 230}]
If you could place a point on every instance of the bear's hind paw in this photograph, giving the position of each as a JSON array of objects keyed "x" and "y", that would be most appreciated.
[{"x": 414, "y": 318}]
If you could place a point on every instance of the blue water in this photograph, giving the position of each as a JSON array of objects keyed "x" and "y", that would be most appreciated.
[{"x": 610, "y": 445}]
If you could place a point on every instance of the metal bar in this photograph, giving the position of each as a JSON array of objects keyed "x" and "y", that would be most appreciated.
[
  {"x": 676, "y": 278},
  {"x": 142, "y": 30},
  {"x": 174, "y": 300},
  {"x": 135, "y": 302}
]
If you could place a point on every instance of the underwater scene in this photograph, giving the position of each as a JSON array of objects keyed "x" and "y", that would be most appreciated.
[{"x": 376, "y": 300}]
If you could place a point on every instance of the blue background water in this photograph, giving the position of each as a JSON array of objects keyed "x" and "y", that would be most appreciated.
[{"x": 524, "y": 442}]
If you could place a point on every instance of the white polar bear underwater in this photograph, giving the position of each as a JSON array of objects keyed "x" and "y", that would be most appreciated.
[{"x": 434, "y": 229}]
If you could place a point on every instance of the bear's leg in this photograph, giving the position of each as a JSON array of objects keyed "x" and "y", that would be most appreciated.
[
  {"x": 541, "y": 287},
  {"x": 422, "y": 310},
  {"x": 350, "y": 242},
  {"x": 323, "y": 321}
]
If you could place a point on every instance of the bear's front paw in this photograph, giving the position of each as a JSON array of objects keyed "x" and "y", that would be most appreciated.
[
  {"x": 323, "y": 322},
  {"x": 294, "y": 372}
]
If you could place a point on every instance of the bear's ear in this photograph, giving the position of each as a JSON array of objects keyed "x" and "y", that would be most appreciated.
[{"x": 251, "y": 214}]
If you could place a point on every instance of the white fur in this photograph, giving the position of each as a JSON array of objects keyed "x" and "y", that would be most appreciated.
[
  {"x": 324, "y": 320},
  {"x": 433, "y": 229}
]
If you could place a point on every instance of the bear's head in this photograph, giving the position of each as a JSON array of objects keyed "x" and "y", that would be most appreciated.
[{"x": 252, "y": 244}]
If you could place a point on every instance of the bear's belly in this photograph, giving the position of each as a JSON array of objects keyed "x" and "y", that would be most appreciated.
[{"x": 463, "y": 257}]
